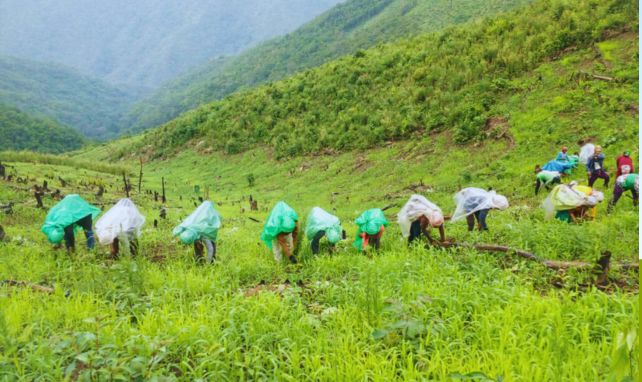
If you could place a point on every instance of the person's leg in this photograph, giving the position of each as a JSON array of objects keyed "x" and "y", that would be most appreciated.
[
  {"x": 635, "y": 197},
  {"x": 315, "y": 242},
  {"x": 114, "y": 248},
  {"x": 415, "y": 231},
  {"x": 85, "y": 223},
  {"x": 470, "y": 219},
  {"x": 606, "y": 178},
  {"x": 538, "y": 184},
  {"x": 133, "y": 246},
  {"x": 198, "y": 250},
  {"x": 210, "y": 250},
  {"x": 276, "y": 250},
  {"x": 70, "y": 239},
  {"x": 375, "y": 241},
  {"x": 481, "y": 219},
  {"x": 592, "y": 178},
  {"x": 617, "y": 193},
  {"x": 290, "y": 240}
]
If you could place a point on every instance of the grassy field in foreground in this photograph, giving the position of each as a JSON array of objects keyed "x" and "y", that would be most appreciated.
[{"x": 401, "y": 314}]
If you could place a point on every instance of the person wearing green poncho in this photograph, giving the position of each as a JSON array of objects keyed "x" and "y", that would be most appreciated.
[
  {"x": 63, "y": 219},
  {"x": 623, "y": 183},
  {"x": 201, "y": 229},
  {"x": 371, "y": 225},
  {"x": 281, "y": 226},
  {"x": 546, "y": 178},
  {"x": 320, "y": 223}
]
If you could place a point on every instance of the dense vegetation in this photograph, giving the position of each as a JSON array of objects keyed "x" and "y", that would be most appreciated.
[
  {"x": 348, "y": 27},
  {"x": 447, "y": 81},
  {"x": 62, "y": 94},
  {"x": 20, "y": 131},
  {"x": 145, "y": 42}
]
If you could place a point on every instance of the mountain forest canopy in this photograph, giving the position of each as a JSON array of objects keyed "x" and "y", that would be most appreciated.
[
  {"x": 21, "y": 131},
  {"x": 441, "y": 81},
  {"x": 90, "y": 106},
  {"x": 144, "y": 42},
  {"x": 346, "y": 28}
]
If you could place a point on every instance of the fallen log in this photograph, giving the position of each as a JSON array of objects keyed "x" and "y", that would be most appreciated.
[{"x": 34, "y": 287}]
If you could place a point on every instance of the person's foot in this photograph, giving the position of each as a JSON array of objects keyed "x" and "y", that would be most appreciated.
[{"x": 293, "y": 260}]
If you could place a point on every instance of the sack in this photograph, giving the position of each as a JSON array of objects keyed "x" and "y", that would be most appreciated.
[
  {"x": 417, "y": 206},
  {"x": 122, "y": 219},
  {"x": 321, "y": 220},
  {"x": 586, "y": 152},
  {"x": 282, "y": 219},
  {"x": 204, "y": 222},
  {"x": 68, "y": 211},
  {"x": 369, "y": 222},
  {"x": 470, "y": 200}
]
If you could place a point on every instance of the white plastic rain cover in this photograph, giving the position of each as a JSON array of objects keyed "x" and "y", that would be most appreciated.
[
  {"x": 122, "y": 218},
  {"x": 416, "y": 206},
  {"x": 470, "y": 200},
  {"x": 586, "y": 152}
]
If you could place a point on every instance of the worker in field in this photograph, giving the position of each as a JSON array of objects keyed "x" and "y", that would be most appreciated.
[
  {"x": 201, "y": 229},
  {"x": 418, "y": 216},
  {"x": 572, "y": 203},
  {"x": 320, "y": 224},
  {"x": 623, "y": 183},
  {"x": 281, "y": 232},
  {"x": 122, "y": 223},
  {"x": 475, "y": 204},
  {"x": 546, "y": 178},
  {"x": 624, "y": 164},
  {"x": 562, "y": 156},
  {"x": 595, "y": 167},
  {"x": 371, "y": 225},
  {"x": 63, "y": 219}
]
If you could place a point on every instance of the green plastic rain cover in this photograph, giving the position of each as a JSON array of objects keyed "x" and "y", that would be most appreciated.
[
  {"x": 321, "y": 220},
  {"x": 203, "y": 222},
  {"x": 282, "y": 219},
  {"x": 369, "y": 222},
  {"x": 68, "y": 211}
]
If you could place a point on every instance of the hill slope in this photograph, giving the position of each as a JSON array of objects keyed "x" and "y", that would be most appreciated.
[
  {"x": 356, "y": 24},
  {"x": 60, "y": 93},
  {"x": 20, "y": 131},
  {"x": 145, "y": 42},
  {"x": 449, "y": 81}
]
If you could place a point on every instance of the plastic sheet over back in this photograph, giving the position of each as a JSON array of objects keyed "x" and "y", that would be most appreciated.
[
  {"x": 282, "y": 219},
  {"x": 68, "y": 211},
  {"x": 416, "y": 207},
  {"x": 321, "y": 220},
  {"x": 122, "y": 219},
  {"x": 470, "y": 200},
  {"x": 204, "y": 222}
]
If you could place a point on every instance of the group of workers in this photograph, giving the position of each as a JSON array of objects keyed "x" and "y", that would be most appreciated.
[
  {"x": 121, "y": 225},
  {"x": 571, "y": 202}
]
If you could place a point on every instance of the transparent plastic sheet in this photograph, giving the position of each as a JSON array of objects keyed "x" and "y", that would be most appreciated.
[
  {"x": 564, "y": 197},
  {"x": 122, "y": 219},
  {"x": 369, "y": 222},
  {"x": 586, "y": 152},
  {"x": 68, "y": 211},
  {"x": 470, "y": 200},
  {"x": 417, "y": 206},
  {"x": 204, "y": 222},
  {"x": 321, "y": 220},
  {"x": 282, "y": 219}
]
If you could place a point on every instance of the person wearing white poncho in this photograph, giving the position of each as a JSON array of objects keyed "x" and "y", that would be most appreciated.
[
  {"x": 475, "y": 203},
  {"x": 417, "y": 216},
  {"x": 122, "y": 222}
]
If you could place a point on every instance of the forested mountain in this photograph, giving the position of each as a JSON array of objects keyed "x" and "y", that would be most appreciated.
[
  {"x": 348, "y": 27},
  {"x": 20, "y": 131},
  {"x": 144, "y": 42},
  {"x": 90, "y": 106},
  {"x": 450, "y": 81}
]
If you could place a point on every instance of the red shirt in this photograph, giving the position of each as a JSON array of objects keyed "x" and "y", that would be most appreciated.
[{"x": 623, "y": 161}]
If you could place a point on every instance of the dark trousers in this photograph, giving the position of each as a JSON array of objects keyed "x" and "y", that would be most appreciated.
[
  {"x": 538, "y": 184},
  {"x": 617, "y": 194},
  {"x": 85, "y": 224},
  {"x": 133, "y": 247},
  {"x": 481, "y": 220},
  {"x": 599, "y": 174},
  {"x": 315, "y": 242},
  {"x": 374, "y": 241},
  {"x": 415, "y": 231}
]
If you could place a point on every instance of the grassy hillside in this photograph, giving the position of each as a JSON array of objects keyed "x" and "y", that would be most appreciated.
[
  {"x": 350, "y": 26},
  {"x": 146, "y": 42},
  {"x": 62, "y": 94},
  {"x": 21, "y": 131},
  {"x": 451, "y": 81}
]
